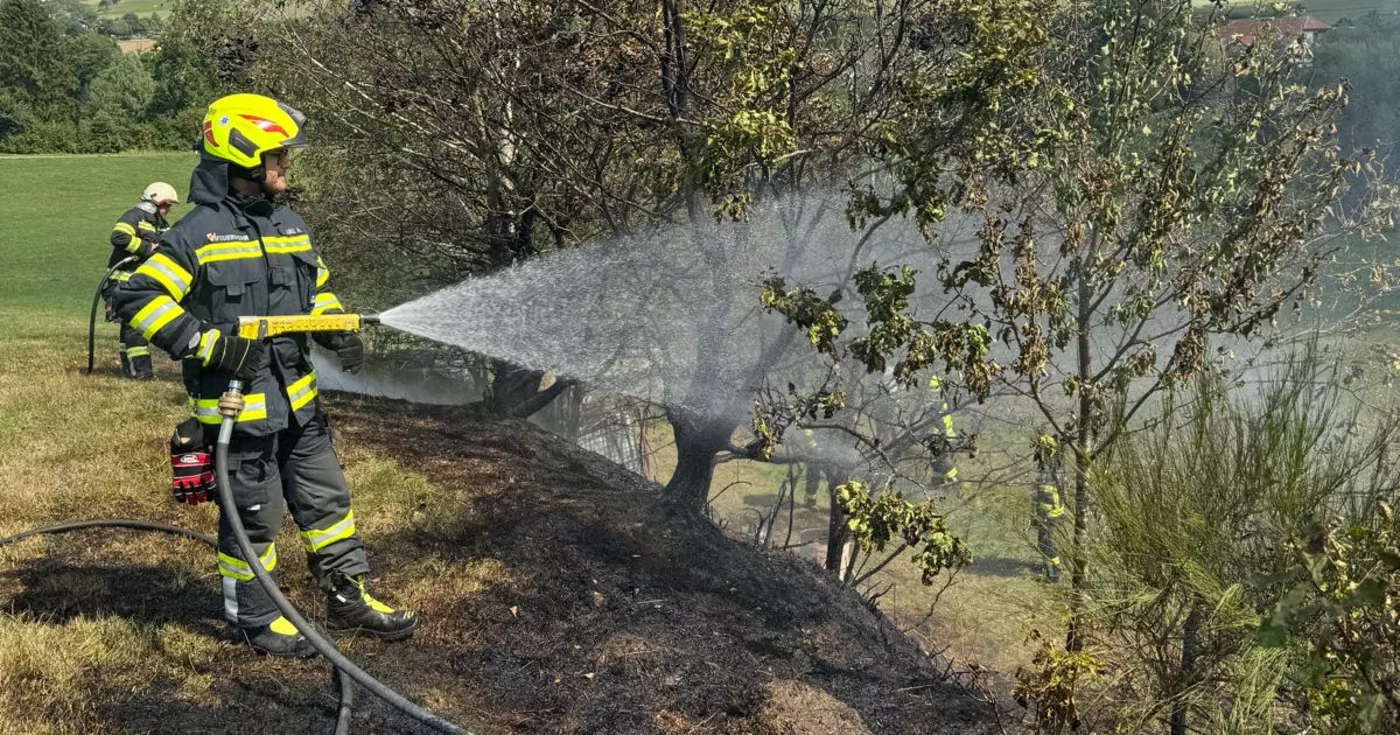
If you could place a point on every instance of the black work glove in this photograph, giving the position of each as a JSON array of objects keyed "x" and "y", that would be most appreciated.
[
  {"x": 231, "y": 355},
  {"x": 347, "y": 346}
]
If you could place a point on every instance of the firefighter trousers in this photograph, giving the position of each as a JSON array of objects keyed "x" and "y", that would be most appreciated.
[
  {"x": 297, "y": 469},
  {"x": 1049, "y": 551},
  {"x": 135, "y": 354}
]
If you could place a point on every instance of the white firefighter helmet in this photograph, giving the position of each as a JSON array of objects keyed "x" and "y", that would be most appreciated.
[{"x": 160, "y": 193}]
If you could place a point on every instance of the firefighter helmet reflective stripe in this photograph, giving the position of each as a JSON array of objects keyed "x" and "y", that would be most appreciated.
[
  {"x": 159, "y": 193},
  {"x": 240, "y": 128}
]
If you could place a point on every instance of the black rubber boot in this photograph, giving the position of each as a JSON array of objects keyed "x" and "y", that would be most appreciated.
[
  {"x": 279, "y": 638},
  {"x": 351, "y": 609},
  {"x": 141, "y": 368}
]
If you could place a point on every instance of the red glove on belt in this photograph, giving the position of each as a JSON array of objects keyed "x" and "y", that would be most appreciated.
[{"x": 191, "y": 465}]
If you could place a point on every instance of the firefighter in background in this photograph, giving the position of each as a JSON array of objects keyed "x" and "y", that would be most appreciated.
[
  {"x": 945, "y": 472},
  {"x": 1048, "y": 511},
  {"x": 134, "y": 238}
]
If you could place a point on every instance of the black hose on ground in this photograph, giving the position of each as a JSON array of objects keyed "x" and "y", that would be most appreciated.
[
  {"x": 92, "y": 316},
  {"x": 346, "y": 685},
  {"x": 289, "y": 611},
  {"x": 114, "y": 523},
  {"x": 343, "y": 682}
]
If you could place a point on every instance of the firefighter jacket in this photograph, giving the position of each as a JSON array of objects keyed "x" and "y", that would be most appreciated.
[
  {"x": 233, "y": 256},
  {"x": 141, "y": 223},
  {"x": 1048, "y": 508}
]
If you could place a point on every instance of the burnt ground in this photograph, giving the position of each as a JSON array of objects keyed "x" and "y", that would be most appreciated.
[{"x": 561, "y": 599}]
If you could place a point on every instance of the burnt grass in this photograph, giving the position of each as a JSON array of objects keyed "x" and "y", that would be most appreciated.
[{"x": 608, "y": 615}]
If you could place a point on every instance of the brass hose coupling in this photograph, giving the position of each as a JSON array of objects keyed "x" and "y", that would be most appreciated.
[{"x": 231, "y": 404}]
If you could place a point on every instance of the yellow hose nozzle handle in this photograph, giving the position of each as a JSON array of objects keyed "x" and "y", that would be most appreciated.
[{"x": 262, "y": 327}]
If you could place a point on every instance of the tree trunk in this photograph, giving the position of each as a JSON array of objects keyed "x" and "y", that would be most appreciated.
[
  {"x": 1084, "y": 433},
  {"x": 515, "y": 391},
  {"x": 698, "y": 440},
  {"x": 1190, "y": 652}
]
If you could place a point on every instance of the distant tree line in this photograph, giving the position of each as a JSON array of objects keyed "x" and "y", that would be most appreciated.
[{"x": 66, "y": 87}]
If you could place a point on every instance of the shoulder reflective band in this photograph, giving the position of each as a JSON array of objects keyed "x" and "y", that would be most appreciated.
[
  {"x": 146, "y": 226},
  {"x": 168, "y": 273},
  {"x": 124, "y": 228}
]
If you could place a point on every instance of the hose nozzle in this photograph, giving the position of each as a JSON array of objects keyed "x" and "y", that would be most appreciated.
[{"x": 368, "y": 319}]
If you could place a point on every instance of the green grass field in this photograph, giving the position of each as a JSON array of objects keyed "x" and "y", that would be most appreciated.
[
  {"x": 56, "y": 213},
  {"x": 122, "y": 7},
  {"x": 1328, "y": 11}
]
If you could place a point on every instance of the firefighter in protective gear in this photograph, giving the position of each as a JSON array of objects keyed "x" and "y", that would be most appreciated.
[
  {"x": 240, "y": 253},
  {"x": 1049, "y": 512},
  {"x": 137, "y": 233},
  {"x": 945, "y": 472}
]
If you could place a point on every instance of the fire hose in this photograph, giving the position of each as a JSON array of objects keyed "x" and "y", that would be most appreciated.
[
  {"x": 92, "y": 316},
  {"x": 230, "y": 405}
]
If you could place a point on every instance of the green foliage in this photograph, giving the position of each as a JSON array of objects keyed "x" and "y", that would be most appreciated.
[
  {"x": 66, "y": 88},
  {"x": 123, "y": 90},
  {"x": 30, "y": 66},
  {"x": 1049, "y": 688},
  {"x": 1346, "y": 615},
  {"x": 1199, "y": 516},
  {"x": 876, "y": 521},
  {"x": 748, "y": 50}
]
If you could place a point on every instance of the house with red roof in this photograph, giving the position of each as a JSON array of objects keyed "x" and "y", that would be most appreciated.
[{"x": 1294, "y": 30}]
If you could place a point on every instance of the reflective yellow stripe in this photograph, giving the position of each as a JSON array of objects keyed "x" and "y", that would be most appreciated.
[
  {"x": 315, "y": 540},
  {"x": 169, "y": 273},
  {"x": 141, "y": 351},
  {"x": 206, "y": 410},
  {"x": 948, "y": 427},
  {"x": 293, "y": 244},
  {"x": 121, "y": 276},
  {"x": 206, "y": 345},
  {"x": 230, "y": 566},
  {"x": 124, "y": 227},
  {"x": 235, "y": 250},
  {"x": 283, "y": 626},
  {"x": 301, "y": 392},
  {"x": 134, "y": 244},
  {"x": 155, "y": 315},
  {"x": 323, "y": 273},
  {"x": 324, "y": 303},
  {"x": 146, "y": 226}
]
